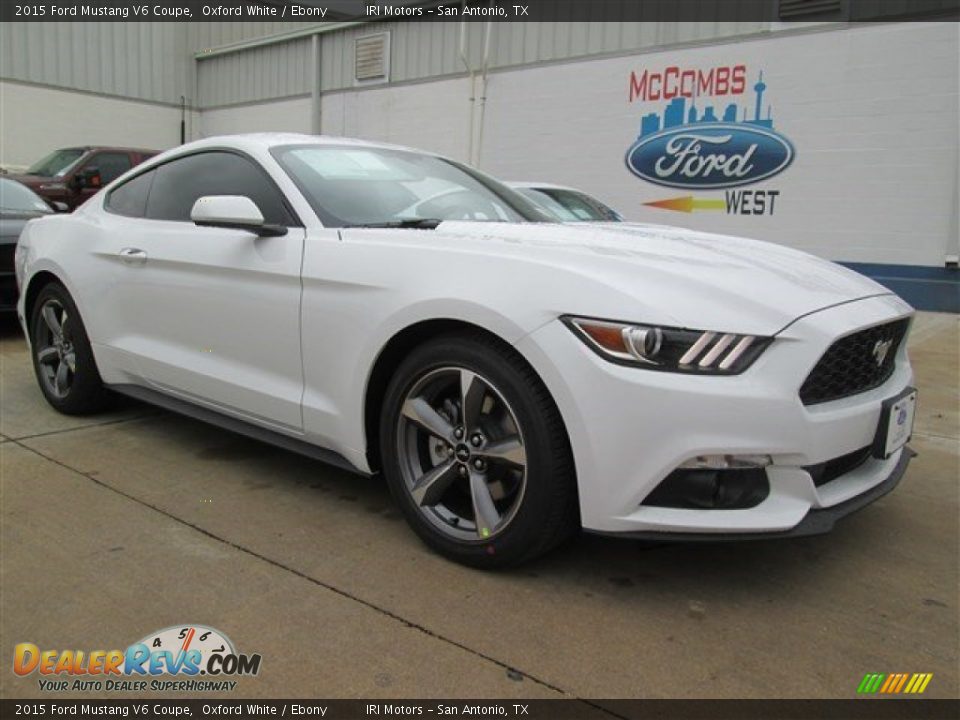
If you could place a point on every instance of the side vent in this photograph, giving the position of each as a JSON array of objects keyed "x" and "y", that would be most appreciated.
[
  {"x": 371, "y": 54},
  {"x": 793, "y": 9}
]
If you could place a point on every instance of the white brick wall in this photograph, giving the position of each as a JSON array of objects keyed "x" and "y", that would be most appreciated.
[
  {"x": 275, "y": 116},
  {"x": 871, "y": 111},
  {"x": 37, "y": 120}
]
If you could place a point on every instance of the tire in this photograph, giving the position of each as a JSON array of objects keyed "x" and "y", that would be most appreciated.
[
  {"x": 63, "y": 361},
  {"x": 525, "y": 460}
]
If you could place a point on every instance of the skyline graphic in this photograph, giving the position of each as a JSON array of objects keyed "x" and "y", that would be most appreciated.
[{"x": 676, "y": 113}]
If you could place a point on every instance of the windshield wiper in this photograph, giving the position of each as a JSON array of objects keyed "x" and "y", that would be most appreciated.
[{"x": 417, "y": 223}]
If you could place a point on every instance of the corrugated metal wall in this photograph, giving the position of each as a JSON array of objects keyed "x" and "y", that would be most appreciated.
[
  {"x": 420, "y": 50},
  {"x": 147, "y": 61},
  {"x": 206, "y": 35},
  {"x": 150, "y": 60},
  {"x": 154, "y": 61},
  {"x": 262, "y": 73}
]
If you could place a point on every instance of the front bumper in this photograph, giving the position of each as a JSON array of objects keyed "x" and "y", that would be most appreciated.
[
  {"x": 816, "y": 522},
  {"x": 630, "y": 428}
]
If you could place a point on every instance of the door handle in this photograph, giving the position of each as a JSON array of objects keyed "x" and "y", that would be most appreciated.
[{"x": 133, "y": 256}]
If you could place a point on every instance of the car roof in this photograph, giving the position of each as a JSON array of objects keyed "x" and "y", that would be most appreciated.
[{"x": 267, "y": 140}]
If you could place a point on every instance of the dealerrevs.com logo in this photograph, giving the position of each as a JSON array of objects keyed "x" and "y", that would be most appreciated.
[{"x": 199, "y": 658}]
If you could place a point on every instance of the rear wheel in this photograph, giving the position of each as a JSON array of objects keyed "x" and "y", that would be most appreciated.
[
  {"x": 62, "y": 357},
  {"x": 475, "y": 453}
]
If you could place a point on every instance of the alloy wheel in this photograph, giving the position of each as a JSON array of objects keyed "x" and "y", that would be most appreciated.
[
  {"x": 54, "y": 348},
  {"x": 462, "y": 454}
]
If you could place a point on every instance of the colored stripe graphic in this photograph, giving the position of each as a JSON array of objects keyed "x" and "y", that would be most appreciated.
[
  {"x": 688, "y": 204},
  {"x": 894, "y": 683},
  {"x": 903, "y": 679},
  {"x": 918, "y": 683}
]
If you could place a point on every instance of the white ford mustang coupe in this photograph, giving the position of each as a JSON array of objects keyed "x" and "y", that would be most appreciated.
[{"x": 514, "y": 379}]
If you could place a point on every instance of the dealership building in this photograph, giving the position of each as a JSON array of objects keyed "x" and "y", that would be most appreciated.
[{"x": 856, "y": 124}]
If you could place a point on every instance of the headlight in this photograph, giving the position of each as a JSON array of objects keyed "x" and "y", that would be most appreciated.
[{"x": 667, "y": 348}]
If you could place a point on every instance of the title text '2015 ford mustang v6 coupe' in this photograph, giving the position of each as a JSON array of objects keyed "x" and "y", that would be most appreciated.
[{"x": 513, "y": 378}]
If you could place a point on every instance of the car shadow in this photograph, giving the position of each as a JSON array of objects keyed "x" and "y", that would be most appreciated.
[
  {"x": 588, "y": 563},
  {"x": 593, "y": 563}
]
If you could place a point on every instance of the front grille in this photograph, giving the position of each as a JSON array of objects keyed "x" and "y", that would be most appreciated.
[
  {"x": 855, "y": 363},
  {"x": 824, "y": 472}
]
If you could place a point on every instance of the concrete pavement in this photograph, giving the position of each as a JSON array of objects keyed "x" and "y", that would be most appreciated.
[{"x": 125, "y": 523}]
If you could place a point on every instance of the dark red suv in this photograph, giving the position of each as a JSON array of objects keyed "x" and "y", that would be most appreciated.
[{"x": 67, "y": 177}]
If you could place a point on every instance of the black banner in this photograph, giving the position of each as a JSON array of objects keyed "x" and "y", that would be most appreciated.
[
  {"x": 475, "y": 10},
  {"x": 865, "y": 709}
]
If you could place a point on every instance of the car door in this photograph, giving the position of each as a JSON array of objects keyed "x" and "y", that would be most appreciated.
[
  {"x": 110, "y": 164},
  {"x": 208, "y": 314}
]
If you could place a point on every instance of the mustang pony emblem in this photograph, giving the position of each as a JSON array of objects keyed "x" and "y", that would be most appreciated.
[{"x": 880, "y": 350}]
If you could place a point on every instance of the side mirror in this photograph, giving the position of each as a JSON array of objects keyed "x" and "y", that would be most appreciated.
[
  {"x": 60, "y": 207},
  {"x": 237, "y": 212},
  {"x": 88, "y": 178}
]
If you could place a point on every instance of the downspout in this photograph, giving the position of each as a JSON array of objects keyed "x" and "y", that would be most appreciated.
[
  {"x": 483, "y": 89},
  {"x": 316, "y": 76},
  {"x": 466, "y": 64}
]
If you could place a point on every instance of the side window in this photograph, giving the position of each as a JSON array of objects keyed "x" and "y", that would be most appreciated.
[
  {"x": 180, "y": 183},
  {"x": 110, "y": 164},
  {"x": 130, "y": 199}
]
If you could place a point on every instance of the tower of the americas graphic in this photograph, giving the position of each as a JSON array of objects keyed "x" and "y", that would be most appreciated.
[
  {"x": 757, "y": 120},
  {"x": 759, "y": 88}
]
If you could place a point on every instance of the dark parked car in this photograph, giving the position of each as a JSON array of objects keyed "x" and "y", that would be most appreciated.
[
  {"x": 71, "y": 175},
  {"x": 18, "y": 204}
]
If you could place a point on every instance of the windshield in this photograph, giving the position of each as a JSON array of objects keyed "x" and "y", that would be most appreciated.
[
  {"x": 56, "y": 163},
  {"x": 548, "y": 204},
  {"x": 16, "y": 199},
  {"x": 363, "y": 186},
  {"x": 583, "y": 207}
]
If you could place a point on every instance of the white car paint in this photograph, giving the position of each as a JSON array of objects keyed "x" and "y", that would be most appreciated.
[{"x": 284, "y": 331}]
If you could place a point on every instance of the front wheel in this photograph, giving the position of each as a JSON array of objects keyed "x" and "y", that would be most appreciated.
[
  {"x": 475, "y": 453},
  {"x": 62, "y": 356}
]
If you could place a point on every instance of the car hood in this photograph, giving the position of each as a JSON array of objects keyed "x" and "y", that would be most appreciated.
[{"x": 692, "y": 279}]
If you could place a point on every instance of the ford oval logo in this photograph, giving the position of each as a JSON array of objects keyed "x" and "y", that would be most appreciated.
[{"x": 710, "y": 156}]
